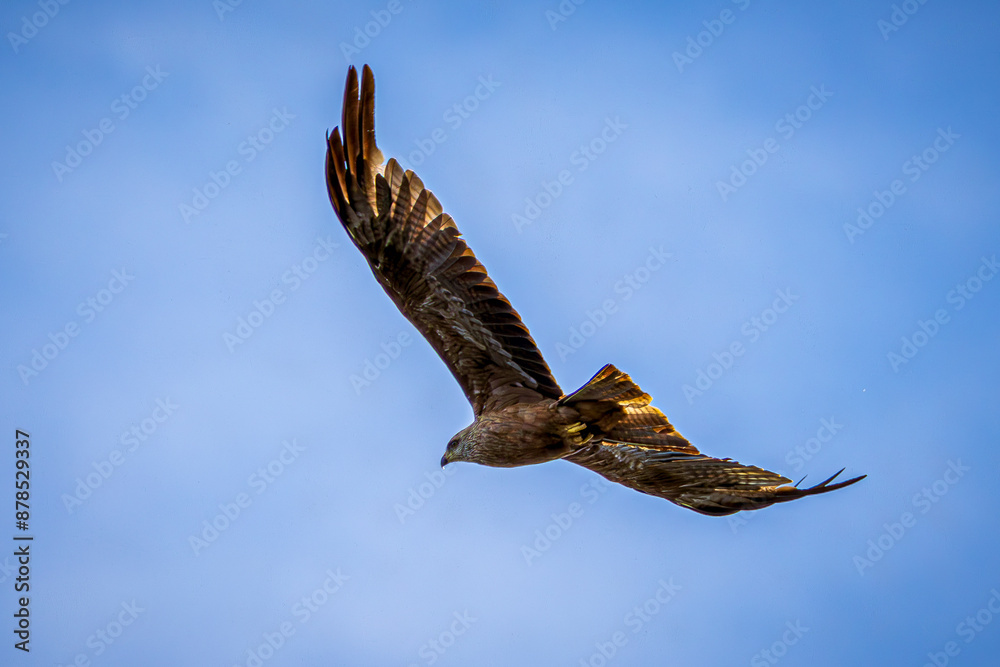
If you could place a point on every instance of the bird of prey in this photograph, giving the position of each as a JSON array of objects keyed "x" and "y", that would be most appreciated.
[{"x": 522, "y": 417}]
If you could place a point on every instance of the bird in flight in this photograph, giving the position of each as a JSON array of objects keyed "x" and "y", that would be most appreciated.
[{"x": 522, "y": 417}]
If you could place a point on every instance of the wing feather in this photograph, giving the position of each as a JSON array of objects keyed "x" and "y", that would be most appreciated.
[
  {"x": 419, "y": 257},
  {"x": 704, "y": 484},
  {"x": 634, "y": 444}
]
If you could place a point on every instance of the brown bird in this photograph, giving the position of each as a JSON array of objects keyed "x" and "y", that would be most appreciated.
[{"x": 522, "y": 416}]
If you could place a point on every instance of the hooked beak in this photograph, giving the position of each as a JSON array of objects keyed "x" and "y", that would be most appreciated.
[{"x": 445, "y": 460}]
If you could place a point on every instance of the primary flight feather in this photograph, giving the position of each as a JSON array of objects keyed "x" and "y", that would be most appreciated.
[{"x": 522, "y": 416}]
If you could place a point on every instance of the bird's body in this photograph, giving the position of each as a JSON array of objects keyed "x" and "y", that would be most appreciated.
[
  {"x": 518, "y": 434},
  {"x": 522, "y": 417}
]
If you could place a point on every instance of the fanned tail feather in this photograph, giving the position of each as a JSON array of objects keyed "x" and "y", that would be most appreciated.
[{"x": 617, "y": 409}]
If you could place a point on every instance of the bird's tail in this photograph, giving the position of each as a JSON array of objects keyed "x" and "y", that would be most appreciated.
[{"x": 616, "y": 408}]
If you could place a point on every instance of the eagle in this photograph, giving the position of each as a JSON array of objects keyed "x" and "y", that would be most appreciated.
[{"x": 522, "y": 417}]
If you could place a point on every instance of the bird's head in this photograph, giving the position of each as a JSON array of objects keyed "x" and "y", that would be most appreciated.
[{"x": 459, "y": 447}]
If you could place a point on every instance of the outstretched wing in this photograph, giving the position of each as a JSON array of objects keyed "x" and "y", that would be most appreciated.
[
  {"x": 418, "y": 256},
  {"x": 635, "y": 445},
  {"x": 710, "y": 486}
]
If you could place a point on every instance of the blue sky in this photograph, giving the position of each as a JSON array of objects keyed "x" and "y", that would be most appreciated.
[{"x": 234, "y": 436}]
